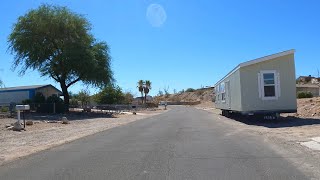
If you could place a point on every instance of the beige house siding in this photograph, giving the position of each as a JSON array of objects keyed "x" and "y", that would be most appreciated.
[
  {"x": 235, "y": 93},
  {"x": 48, "y": 91},
  {"x": 250, "y": 88}
]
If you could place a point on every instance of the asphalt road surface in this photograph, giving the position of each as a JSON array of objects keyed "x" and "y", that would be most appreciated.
[{"x": 183, "y": 143}]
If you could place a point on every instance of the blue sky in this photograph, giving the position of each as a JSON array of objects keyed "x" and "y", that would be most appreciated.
[{"x": 197, "y": 44}]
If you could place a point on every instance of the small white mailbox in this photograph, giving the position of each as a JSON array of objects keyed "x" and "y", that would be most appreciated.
[{"x": 22, "y": 107}]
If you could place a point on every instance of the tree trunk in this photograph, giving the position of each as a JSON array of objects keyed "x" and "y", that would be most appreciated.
[
  {"x": 66, "y": 96},
  {"x": 142, "y": 97},
  {"x": 145, "y": 98}
]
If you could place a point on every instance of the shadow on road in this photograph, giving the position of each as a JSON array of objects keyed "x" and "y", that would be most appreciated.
[
  {"x": 70, "y": 116},
  {"x": 281, "y": 122}
]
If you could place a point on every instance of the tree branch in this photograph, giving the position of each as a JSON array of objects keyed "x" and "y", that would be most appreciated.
[
  {"x": 74, "y": 81},
  {"x": 55, "y": 77}
]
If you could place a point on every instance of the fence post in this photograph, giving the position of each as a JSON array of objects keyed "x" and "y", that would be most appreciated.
[{"x": 54, "y": 108}]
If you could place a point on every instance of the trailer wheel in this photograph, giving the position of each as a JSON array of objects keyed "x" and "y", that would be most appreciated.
[
  {"x": 223, "y": 113},
  {"x": 226, "y": 113}
]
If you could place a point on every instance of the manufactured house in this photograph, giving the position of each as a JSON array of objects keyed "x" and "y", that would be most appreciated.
[
  {"x": 265, "y": 85},
  {"x": 20, "y": 93}
]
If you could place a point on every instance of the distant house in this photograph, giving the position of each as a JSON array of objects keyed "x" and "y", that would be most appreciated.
[
  {"x": 307, "y": 79},
  {"x": 138, "y": 100},
  {"x": 20, "y": 93},
  {"x": 313, "y": 88}
]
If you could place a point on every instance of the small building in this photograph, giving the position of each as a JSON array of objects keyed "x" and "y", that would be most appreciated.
[
  {"x": 313, "y": 88},
  {"x": 138, "y": 100},
  {"x": 265, "y": 85},
  {"x": 307, "y": 80},
  {"x": 20, "y": 93}
]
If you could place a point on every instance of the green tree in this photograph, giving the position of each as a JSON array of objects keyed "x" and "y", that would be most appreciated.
[
  {"x": 141, "y": 88},
  {"x": 84, "y": 97},
  {"x": 109, "y": 95},
  {"x": 127, "y": 98},
  {"x": 57, "y": 42},
  {"x": 190, "y": 90},
  {"x": 146, "y": 89}
]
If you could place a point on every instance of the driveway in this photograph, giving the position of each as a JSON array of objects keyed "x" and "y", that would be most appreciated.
[{"x": 183, "y": 143}]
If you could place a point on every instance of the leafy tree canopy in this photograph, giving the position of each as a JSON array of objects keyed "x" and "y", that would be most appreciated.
[
  {"x": 58, "y": 43},
  {"x": 109, "y": 95}
]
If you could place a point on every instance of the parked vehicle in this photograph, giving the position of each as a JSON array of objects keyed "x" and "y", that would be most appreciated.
[{"x": 264, "y": 86}]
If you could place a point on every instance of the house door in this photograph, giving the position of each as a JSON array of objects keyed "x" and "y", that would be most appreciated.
[{"x": 228, "y": 94}]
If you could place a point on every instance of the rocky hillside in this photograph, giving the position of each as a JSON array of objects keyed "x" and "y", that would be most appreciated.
[{"x": 203, "y": 95}]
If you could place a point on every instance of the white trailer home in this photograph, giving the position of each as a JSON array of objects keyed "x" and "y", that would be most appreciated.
[{"x": 265, "y": 86}]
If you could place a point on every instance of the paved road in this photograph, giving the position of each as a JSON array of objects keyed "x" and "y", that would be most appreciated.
[{"x": 183, "y": 143}]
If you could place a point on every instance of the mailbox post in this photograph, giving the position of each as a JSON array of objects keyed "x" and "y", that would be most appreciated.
[{"x": 20, "y": 108}]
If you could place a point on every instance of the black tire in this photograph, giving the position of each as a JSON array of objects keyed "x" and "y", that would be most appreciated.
[{"x": 227, "y": 114}]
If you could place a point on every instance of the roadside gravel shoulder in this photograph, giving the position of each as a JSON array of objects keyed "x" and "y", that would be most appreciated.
[{"x": 41, "y": 136}]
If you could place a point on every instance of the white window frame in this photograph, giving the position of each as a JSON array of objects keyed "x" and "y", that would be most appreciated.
[
  {"x": 276, "y": 85},
  {"x": 223, "y": 91}
]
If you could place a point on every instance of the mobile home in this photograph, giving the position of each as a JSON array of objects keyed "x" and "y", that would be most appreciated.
[{"x": 265, "y": 85}]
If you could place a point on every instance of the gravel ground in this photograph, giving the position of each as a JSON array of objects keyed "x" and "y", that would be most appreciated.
[{"x": 41, "y": 135}]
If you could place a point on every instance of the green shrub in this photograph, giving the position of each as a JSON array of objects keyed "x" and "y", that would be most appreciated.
[
  {"x": 304, "y": 94},
  {"x": 4, "y": 109},
  {"x": 26, "y": 101},
  {"x": 54, "y": 99},
  {"x": 39, "y": 98},
  {"x": 151, "y": 105},
  {"x": 190, "y": 90}
]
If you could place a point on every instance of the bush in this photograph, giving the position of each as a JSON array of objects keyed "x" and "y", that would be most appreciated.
[
  {"x": 151, "y": 105},
  {"x": 54, "y": 99},
  {"x": 190, "y": 90},
  {"x": 303, "y": 94},
  {"x": 26, "y": 101},
  {"x": 39, "y": 98},
  {"x": 4, "y": 109}
]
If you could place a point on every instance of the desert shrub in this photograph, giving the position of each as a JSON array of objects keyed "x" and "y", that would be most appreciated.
[
  {"x": 73, "y": 102},
  {"x": 4, "y": 109},
  {"x": 52, "y": 103},
  {"x": 127, "y": 98},
  {"x": 304, "y": 94},
  {"x": 190, "y": 90},
  {"x": 151, "y": 105},
  {"x": 54, "y": 99},
  {"x": 26, "y": 101},
  {"x": 39, "y": 98}
]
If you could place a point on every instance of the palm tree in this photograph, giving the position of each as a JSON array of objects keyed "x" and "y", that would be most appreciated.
[
  {"x": 140, "y": 87},
  {"x": 146, "y": 89}
]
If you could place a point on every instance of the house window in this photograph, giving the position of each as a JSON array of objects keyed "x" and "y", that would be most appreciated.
[
  {"x": 223, "y": 92},
  {"x": 269, "y": 85}
]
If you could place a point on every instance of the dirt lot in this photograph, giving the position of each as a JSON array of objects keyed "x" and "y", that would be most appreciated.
[
  {"x": 43, "y": 135},
  {"x": 297, "y": 127}
]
